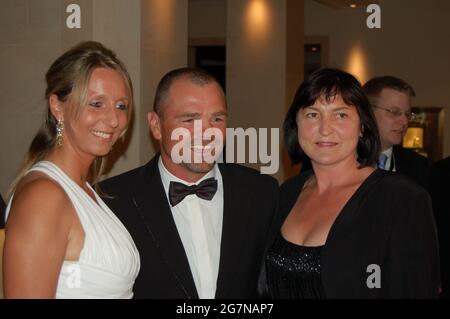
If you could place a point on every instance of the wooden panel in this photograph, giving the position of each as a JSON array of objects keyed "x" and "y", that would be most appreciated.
[{"x": 430, "y": 119}]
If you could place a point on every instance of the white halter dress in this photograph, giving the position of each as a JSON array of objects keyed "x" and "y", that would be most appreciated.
[{"x": 109, "y": 261}]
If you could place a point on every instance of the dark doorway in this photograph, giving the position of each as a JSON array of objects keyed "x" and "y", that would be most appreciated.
[
  {"x": 313, "y": 58},
  {"x": 213, "y": 60}
]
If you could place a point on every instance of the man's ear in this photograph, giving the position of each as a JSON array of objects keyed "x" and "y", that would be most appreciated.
[
  {"x": 55, "y": 107},
  {"x": 154, "y": 123}
]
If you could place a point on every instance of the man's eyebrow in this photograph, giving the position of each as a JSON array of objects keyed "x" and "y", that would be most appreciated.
[
  {"x": 188, "y": 114},
  {"x": 222, "y": 113}
]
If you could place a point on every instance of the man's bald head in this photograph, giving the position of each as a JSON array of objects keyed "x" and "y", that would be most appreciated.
[{"x": 195, "y": 76}]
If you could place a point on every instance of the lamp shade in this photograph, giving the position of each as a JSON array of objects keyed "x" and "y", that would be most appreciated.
[{"x": 413, "y": 138}]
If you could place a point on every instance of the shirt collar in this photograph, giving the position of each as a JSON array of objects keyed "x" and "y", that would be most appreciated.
[{"x": 388, "y": 152}]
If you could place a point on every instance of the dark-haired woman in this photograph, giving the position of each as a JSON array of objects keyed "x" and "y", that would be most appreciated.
[
  {"x": 61, "y": 239},
  {"x": 346, "y": 229}
]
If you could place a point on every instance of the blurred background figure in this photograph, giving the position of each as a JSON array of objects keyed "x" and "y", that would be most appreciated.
[{"x": 390, "y": 98}]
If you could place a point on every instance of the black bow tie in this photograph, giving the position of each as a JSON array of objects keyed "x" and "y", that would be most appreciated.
[{"x": 205, "y": 190}]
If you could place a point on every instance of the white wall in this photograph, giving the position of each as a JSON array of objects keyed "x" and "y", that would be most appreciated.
[
  {"x": 149, "y": 36},
  {"x": 32, "y": 35},
  {"x": 413, "y": 43}
]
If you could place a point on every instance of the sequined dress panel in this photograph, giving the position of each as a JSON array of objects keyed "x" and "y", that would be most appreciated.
[{"x": 294, "y": 271}]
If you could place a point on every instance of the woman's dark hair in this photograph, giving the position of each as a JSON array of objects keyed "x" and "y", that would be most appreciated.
[{"x": 327, "y": 84}]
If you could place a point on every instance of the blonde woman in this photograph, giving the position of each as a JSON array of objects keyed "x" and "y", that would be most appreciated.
[{"x": 61, "y": 239}]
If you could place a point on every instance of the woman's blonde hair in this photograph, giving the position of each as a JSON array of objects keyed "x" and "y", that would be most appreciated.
[{"x": 68, "y": 78}]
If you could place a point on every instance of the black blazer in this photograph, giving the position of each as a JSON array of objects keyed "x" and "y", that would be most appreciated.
[
  {"x": 413, "y": 165},
  {"x": 387, "y": 222},
  {"x": 440, "y": 193},
  {"x": 249, "y": 208}
]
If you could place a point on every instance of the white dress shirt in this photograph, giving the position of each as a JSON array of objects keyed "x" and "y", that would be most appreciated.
[
  {"x": 199, "y": 224},
  {"x": 389, "y": 161}
]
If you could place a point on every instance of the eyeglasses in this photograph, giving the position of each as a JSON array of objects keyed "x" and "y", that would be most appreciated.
[{"x": 397, "y": 113}]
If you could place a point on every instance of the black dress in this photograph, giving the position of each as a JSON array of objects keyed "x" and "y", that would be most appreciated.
[
  {"x": 294, "y": 271},
  {"x": 387, "y": 225}
]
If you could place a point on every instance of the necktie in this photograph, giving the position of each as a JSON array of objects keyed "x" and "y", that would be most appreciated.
[
  {"x": 382, "y": 158},
  {"x": 205, "y": 190}
]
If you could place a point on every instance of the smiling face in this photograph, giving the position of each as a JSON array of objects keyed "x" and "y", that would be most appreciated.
[
  {"x": 186, "y": 103},
  {"x": 392, "y": 128},
  {"x": 328, "y": 131},
  {"x": 92, "y": 131}
]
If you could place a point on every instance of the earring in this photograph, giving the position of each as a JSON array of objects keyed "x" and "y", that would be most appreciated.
[{"x": 59, "y": 132}]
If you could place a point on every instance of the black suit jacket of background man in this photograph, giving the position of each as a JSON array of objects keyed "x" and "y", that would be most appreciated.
[
  {"x": 440, "y": 193},
  {"x": 413, "y": 165},
  {"x": 139, "y": 200}
]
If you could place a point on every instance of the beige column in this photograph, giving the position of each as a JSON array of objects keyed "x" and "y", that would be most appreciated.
[
  {"x": 70, "y": 37},
  {"x": 264, "y": 62},
  {"x": 32, "y": 34},
  {"x": 149, "y": 36},
  {"x": 117, "y": 24},
  {"x": 164, "y": 43}
]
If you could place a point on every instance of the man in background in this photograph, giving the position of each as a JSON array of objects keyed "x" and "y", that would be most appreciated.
[{"x": 390, "y": 98}]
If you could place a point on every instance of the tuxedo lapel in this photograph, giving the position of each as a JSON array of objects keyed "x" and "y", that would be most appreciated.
[
  {"x": 235, "y": 222},
  {"x": 151, "y": 202}
]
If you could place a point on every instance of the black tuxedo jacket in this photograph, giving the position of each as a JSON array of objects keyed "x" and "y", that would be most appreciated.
[
  {"x": 137, "y": 197},
  {"x": 413, "y": 165}
]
